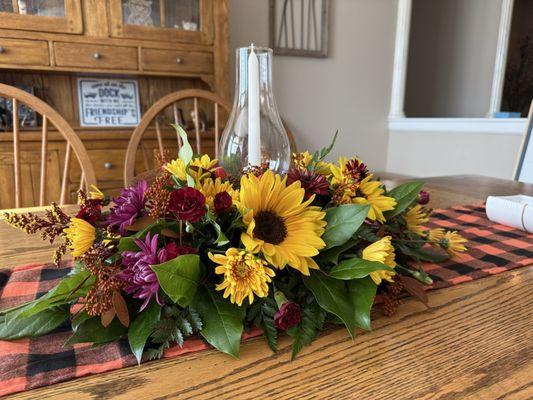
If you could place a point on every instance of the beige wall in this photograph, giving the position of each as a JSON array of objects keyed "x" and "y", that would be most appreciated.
[
  {"x": 348, "y": 91},
  {"x": 452, "y": 50}
]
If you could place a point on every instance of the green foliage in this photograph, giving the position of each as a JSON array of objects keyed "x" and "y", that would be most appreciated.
[
  {"x": 356, "y": 268},
  {"x": 405, "y": 195},
  {"x": 222, "y": 321},
  {"x": 331, "y": 256},
  {"x": 320, "y": 155},
  {"x": 332, "y": 296},
  {"x": 262, "y": 314},
  {"x": 141, "y": 328},
  {"x": 221, "y": 239},
  {"x": 90, "y": 330},
  {"x": 179, "y": 278},
  {"x": 14, "y": 326},
  {"x": 343, "y": 221},
  {"x": 422, "y": 254},
  {"x": 304, "y": 333},
  {"x": 185, "y": 153},
  {"x": 362, "y": 293}
]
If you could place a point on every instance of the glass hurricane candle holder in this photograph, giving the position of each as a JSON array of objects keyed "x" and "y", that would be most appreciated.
[{"x": 254, "y": 101}]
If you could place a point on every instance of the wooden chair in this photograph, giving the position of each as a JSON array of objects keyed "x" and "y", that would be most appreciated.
[
  {"x": 153, "y": 116},
  {"x": 20, "y": 158}
]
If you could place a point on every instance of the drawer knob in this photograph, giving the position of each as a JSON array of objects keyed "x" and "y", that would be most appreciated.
[
  {"x": 108, "y": 165},
  {"x": 97, "y": 56},
  {"x": 2, "y": 50},
  {"x": 179, "y": 60}
]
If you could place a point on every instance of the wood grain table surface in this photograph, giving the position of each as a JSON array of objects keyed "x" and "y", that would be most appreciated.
[{"x": 475, "y": 342}]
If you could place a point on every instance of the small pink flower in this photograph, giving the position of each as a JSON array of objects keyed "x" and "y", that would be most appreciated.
[
  {"x": 423, "y": 198},
  {"x": 288, "y": 315}
]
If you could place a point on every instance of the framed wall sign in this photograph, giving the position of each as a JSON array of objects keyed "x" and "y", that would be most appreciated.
[{"x": 108, "y": 102}]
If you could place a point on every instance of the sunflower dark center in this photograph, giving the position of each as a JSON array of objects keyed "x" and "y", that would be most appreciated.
[{"x": 270, "y": 227}]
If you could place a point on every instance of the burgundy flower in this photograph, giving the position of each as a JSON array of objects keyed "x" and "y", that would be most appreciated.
[
  {"x": 220, "y": 173},
  {"x": 312, "y": 182},
  {"x": 90, "y": 210},
  {"x": 140, "y": 279},
  {"x": 357, "y": 170},
  {"x": 173, "y": 250},
  {"x": 188, "y": 204},
  {"x": 222, "y": 202},
  {"x": 423, "y": 197},
  {"x": 288, "y": 315},
  {"x": 128, "y": 206}
]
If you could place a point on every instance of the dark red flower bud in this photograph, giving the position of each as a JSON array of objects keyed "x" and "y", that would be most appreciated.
[
  {"x": 220, "y": 173},
  {"x": 423, "y": 198},
  {"x": 90, "y": 211},
  {"x": 222, "y": 202},
  {"x": 173, "y": 250},
  {"x": 288, "y": 315},
  {"x": 188, "y": 204}
]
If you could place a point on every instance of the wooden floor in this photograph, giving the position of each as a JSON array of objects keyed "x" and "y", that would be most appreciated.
[{"x": 475, "y": 342}]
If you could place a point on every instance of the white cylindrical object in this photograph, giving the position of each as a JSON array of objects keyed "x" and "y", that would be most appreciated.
[
  {"x": 514, "y": 211},
  {"x": 254, "y": 125}
]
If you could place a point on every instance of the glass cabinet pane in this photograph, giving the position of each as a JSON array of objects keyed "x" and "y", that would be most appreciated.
[
  {"x": 177, "y": 14},
  {"x": 49, "y": 8}
]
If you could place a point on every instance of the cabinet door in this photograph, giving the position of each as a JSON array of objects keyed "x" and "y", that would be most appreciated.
[
  {"x": 42, "y": 15},
  {"x": 187, "y": 21}
]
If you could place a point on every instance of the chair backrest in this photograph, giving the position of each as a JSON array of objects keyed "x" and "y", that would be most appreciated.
[
  {"x": 524, "y": 166},
  {"x": 154, "y": 115},
  {"x": 50, "y": 117}
]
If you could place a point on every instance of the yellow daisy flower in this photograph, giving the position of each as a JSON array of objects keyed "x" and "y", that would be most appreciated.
[
  {"x": 373, "y": 195},
  {"x": 244, "y": 275},
  {"x": 435, "y": 235},
  {"x": 415, "y": 218},
  {"x": 279, "y": 223},
  {"x": 210, "y": 188},
  {"x": 199, "y": 168},
  {"x": 381, "y": 251},
  {"x": 177, "y": 168},
  {"x": 81, "y": 235},
  {"x": 95, "y": 193},
  {"x": 453, "y": 243},
  {"x": 305, "y": 159}
]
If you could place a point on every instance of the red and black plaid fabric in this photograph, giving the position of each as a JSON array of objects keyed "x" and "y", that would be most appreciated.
[{"x": 31, "y": 363}]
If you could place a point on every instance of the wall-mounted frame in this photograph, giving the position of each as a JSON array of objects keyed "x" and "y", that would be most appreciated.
[{"x": 299, "y": 27}]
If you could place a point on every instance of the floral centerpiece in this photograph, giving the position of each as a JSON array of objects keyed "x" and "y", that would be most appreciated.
[{"x": 199, "y": 252}]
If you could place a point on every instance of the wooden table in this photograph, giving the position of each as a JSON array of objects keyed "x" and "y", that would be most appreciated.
[{"x": 475, "y": 342}]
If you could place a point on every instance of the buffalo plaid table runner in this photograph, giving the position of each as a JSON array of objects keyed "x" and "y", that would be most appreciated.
[{"x": 31, "y": 363}]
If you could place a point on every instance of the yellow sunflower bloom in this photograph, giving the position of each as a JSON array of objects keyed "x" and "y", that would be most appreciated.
[
  {"x": 201, "y": 167},
  {"x": 95, "y": 193},
  {"x": 453, "y": 243},
  {"x": 373, "y": 195},
  {"x": 279, "y": 223},
  {"x": 435, "y": 235},
  {"x": 244, "y": 275},
  {"x": 177, "y": 168},
  {"x": 415, "y": 218},
  {"x": 210, "y": 188},
  {"x": 304, "y": 160},
  {"x": 381, "y": 251},
  {"x": 81, "y": 235}
]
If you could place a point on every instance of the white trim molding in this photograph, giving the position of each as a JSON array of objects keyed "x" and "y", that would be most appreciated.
[
  {"x": 498, "y": 78},
  {"x": 497, "y": 126},
  {"x": 401, "y": 52}
]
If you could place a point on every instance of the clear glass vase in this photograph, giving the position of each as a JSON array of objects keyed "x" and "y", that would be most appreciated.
[{"x": 274, "y": 143}]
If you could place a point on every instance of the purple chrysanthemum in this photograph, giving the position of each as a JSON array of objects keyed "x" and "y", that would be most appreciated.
[
  {"x": 141, "y": 280},
  {"x": 128, "y": 206}
]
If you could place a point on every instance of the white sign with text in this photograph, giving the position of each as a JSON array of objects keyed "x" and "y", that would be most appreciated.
[{"x": 108, "y": 102}]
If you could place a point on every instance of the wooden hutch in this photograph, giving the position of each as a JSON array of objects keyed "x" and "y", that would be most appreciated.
[{"x": 48, "y": 44}]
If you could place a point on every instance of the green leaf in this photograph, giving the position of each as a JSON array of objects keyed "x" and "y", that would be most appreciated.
[
  {"x": 221, "y": 237},
  {"x": 222, "y": 321},
  {"x": 404, "y": 195},
  {"x": 67, "y": 290},
  {"x": 331, "y": 256},
  {"x": 332, "y": 296},
  {"x": 14, "y": 326},
  {"x": 362, "y": 293},
  {"x": 343, "y": 221},
  {"x": 179, "y": 278},
  {"x": 92, "y": 331},
  {"x": 127, "y": 244},
  {"x": 304, "y": 333},
  {"x": 357, "y": 268},
  {"x": 141, "y": 327},
  {"x": 185, "y": 152},
  {"x": 326, "y": 150},
  {"x": 424, "y": 254}
]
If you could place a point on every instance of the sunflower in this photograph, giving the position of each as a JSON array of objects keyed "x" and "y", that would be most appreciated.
[
  {"x": 381, "y": 251},
  {"x": 373, "y": 195},
  {"x": 244, "y": 275},
  {"x": 177, "y": 168},
  {"x": 434, "y": 236},
  {"x": 279, "y": 223},
  {"x": 415, "y": 218},
  {"x": 453, "y": 243},
  {"x": 348, "y": 172},
  {"x": 210, "y": 188},
  {"x": 199, "y": 168},
  {"x": 81, "y": 236}
]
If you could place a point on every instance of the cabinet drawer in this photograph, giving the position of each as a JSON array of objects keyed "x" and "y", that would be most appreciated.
[
  {"x": 95, "y": 56},
  {"x": 25, "y": 52},
  {"x": 176, "y": 61}
]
